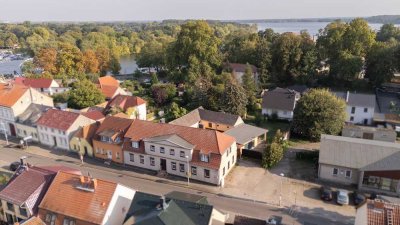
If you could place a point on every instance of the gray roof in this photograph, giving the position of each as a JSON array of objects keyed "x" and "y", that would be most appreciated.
[
  {"x": 357, "y": 99},
  {"x": 200, "y": 113},
  {"x": 144, "y": 211},
  {"x": 362, "y": 154},
  {"x": 245, "y": 133},
  {"x": 173, "y": 138},
  {"x": 32, "y": 114},
  {"x": 280, "y": 99}
]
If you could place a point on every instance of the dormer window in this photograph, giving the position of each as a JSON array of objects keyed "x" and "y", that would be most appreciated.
[
  {"x": 204, "y": 158},
  {"x": 106, "y": 139},
  {"x": 135, "y": 144},
  {"x": 117, "y": 140}
]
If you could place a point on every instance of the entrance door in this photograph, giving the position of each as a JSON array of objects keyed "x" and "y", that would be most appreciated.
[
  {"x": 55, "y": 141},
  {"x": 10, "y": 219},
  {"x": 163, "y": 163},
  {"x": 86, "y": 151},
  {"x": 12, "y": 129}
]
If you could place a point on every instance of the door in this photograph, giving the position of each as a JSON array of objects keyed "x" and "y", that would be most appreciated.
[
  {"x": 163, "y": 163},
  {"x": 10, "y": 219},
  {"x": 55, "y": 141},
  {"x": 86, "y": 151},
  {"x": 109, "y": 154},
  {"x": 12, "y": 129}
]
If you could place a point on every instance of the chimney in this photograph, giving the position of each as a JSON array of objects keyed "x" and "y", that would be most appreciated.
[
  {"x": 347, "y": 96},
  {"x": 163, "y": 203},
  {"x": 94, "y": 184}
]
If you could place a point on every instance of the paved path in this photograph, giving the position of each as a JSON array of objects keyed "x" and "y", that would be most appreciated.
[{"x": 145, "y": 181}]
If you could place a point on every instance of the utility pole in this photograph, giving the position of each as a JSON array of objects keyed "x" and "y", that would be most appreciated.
[
  {"x": 4, "y": 130},
  {"x": 188, "y": 170},
  {"x": 280, "y": 194}
]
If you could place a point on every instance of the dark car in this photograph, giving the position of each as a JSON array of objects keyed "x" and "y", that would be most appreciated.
[
  {"x": 326, "y": 193},
  {"x": 358, "y": 198},
  {"x": 14, "y": 166},
  {"x": 373, "y": 196}
]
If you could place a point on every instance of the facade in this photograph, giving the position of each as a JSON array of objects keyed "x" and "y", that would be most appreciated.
[
  {"x": 26, "y": 122},
  {"x": 207, "y": 119},
  {"x": 56, "y": 127},
  {"x": 360, "y": 107},
  {"x": 109, "y": 139},
  {"x": 128, "y": 103},
  {"x": 279, "y": 102},
  {"x": 14, "y": 100},
  {"x": 370, "y": 165},
  {"x": 109, "y": 86},
  {"x": 238, "y": 70},
  {"x": 375, "y": 212},
  {"x": 44, "y": 85},
  {"x": 204, "y": 155},
  {"x": 81, "y": 200},
  {"x": 82, "y": 140},
  {"x": 372, "y": 133}
]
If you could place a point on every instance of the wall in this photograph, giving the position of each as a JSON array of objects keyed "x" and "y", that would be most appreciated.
[
  {"x": 15, "y": 213},
  {"x": 142, "y": 112},
  {"x": 359, "y": 115},
  {"x": 25, "y": 131},
  {"x": 114, "y": 148},
  {"x": 60, "y": 218},
  {"x": 215, "y": 126},
  {"x": 282, "y": 114},
  {"x": 47, "y": 135},
  {"x": 325, "y": 172},
  {"x": 79, "y": 144},
  {"x": 361, "y": 215},
  {"x": 378, "y": 134},
  {"x": 119, "y": 205},
  {"x": 228, "y": 158},
  {"x": 6, "y": 118},
  {"x": 31, "y": 96}
]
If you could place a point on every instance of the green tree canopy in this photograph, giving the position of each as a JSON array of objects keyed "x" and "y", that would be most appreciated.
[
  {"x": 234, "y": 99},
  {"x": 84, "y": 94}
]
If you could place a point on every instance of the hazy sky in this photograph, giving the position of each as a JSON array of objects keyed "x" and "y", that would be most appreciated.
[{"x": 122, "y": 10}]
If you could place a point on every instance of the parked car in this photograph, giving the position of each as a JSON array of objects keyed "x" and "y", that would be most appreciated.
[
  {"x": 342, "y": 197},
  {"x": 326, "y": 193},
  {"x": 14, "y": 166},
  {"x": 358, "y": 198},
  {"x": 373, "y": 196}
]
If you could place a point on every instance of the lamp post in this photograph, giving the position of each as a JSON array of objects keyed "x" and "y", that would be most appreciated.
[
  {"x": 188, "y": 170},
  {"x": 3, "y": 127},
  {"x": 280, "y": 194}
]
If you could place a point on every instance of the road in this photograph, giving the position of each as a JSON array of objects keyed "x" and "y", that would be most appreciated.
[{"x": 223, "y": 203}]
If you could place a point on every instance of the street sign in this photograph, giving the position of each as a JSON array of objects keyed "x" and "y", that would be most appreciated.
[{"x": 27, "y": 138}]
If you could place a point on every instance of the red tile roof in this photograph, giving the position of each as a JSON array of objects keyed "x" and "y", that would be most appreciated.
[
  {"x": 64, "y": 197},
  {"x": 109, "y": 81},
  {"x": 125, "y": 101},
  {"x": 57, "y": 119},
  {"x": 33, "y": 221},
  {"x": 94, "y": 115},
  {"x": 108, "y": 91},
  {"x": 379, "y": 213},
  {"x": 34, "y": 82},
  {"x": 116, "y": 125},
  {"x": 87, "y": 132},
  {"x": 10, "y": 94}
]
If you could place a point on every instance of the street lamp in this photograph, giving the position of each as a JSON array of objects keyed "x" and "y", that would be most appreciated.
[
  {"x": 280, "y": 195},
  {"x": 3, "y": 127},
  {"x": 188, "y": 170}
]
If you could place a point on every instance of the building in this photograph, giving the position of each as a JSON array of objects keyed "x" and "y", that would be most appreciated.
[
  {"x": 94, "y": 115},
  {"x": 238, "y": 70},
  {"x": 56, "y": 127},
  {"x": 14, "y": 100},
  {"x": 109, "y": 86},
  {"x": 26, "y": 121},
  {"x": 44, "y": 85},
  {"x": 279, "y": 103},
  {"x": 109, "y": 139},
  {"x": 372, "y": 133},
  {"x": 209, "y": 154},
  {"x": 32, "y": 221},
  {"x": 126, "y": 103},
  {"x": 174, "y": 208},
  {"x": 370, "y": 165},
  {"x": 82, "y": 200},
  {"x": 82, "y": 140},
  {"x": 247, "y": 136},
  {"x": 207, "y": 119},
  {"x": 360, "y": 107},
  {"x": 375, "y": 212}
]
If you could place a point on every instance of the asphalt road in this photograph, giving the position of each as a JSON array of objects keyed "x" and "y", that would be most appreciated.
[{"x": 223, "y": 203}]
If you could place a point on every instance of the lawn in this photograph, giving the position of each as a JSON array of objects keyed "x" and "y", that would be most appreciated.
[{"x": 271, "y": 126}]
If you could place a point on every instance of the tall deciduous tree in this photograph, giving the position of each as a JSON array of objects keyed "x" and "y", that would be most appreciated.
[
  {"x": 85, "y": 94},
  {"x": 46, "y": 58},
  {"x": 381, "y": 62},
  {"x": 234, "y": 99},
  {"x": 90, "y": 62}
]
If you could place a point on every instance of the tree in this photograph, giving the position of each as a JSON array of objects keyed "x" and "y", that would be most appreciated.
[
  {"x": 272, "y": 154},
  {"x": 115, "y": 66},
  {"x": 318, "y": 112},
  {"x": 85, "y": 94},
  {"x": 249, "y": 85},
  {"x": 388, "y": 32},
  {"x": 154, "y": 79},
  {"x": 175, "y": 111},
  {"x": 69, "y": 59},
  {"x": 347, "y": 67},
  {"x": 103, "y": 56},
  {"x": 61, "y": 97},
  {"x": 234, "y": 99},
  {"x": 46, "y": 59},
  {"x": 163, "y": 93},
  {"x": 381, "y": 62},
  {"x": 90, "y": 62}
]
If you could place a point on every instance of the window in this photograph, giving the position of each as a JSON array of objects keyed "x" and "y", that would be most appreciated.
[
  {"x": 335, "y": 171},
  {"x": 152, "y": 161},
  {"x": 68, "y": 221},
  {"x": 233, "y": 159},
  {"x": 173, "y": 165},
  {"x": 10, "y": 206},
  {"x": 117, "y": 155},
  {"x": 365, "y": 110},
  {"x": 206, "y": 173},
  {"x": 229, "y": 165},
  {"x": 181, "y": 167},
  {"x": 52, "y": 130},
  {"x": 353, "y": 110},
  {"x": 204, "y": 158},
  {"x": 131, "y": 157},
  {"x": 194, "y": 170},
  {"x": 51, "y": 218},
  {"x": 105, "y": 139},
  {"x": 348, "y": 173},
  {"x": 97, "y": 151},
  {"x": 135, "y": 144},
  {"x": 172, "y": 152},
  {"x": 152, "y": 148},
  {"x": 162, "y": 150},
  {"x": 75, "y": 147},
  {"x": 223, "y": 171},
  {"x": 351, "y": 118},
  {"x": 182, "y": 154},
  {"x": 209, "y": 124},
  {"x": 365, "y": 121},
  {"x": 142, "y": 159}
]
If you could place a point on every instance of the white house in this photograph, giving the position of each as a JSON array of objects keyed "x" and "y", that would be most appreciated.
[
  {"x": 43, "y": 85},
  {"x": 126, "y": 102},
  {"x": 360, "y": 107},
  {"x": 279, "y": 102},
  {"x": 56, "y": 127},
  {"x": 26, "y": 121},
  {"x": 14, "y": 100}
]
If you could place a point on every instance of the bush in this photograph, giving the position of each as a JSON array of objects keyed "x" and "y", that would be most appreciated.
[{"x": 272, "y": 155}]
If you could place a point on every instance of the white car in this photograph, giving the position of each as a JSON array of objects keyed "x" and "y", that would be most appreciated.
[{"x": 342, "y": 197}]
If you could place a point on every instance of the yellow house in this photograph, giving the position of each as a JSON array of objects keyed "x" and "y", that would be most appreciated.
[{"x": 82, "y": 139}]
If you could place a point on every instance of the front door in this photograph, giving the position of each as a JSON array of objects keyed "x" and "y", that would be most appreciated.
[
  {"x": 12, "y": 129},
  {"x": 55, "y": 141},
  {"x": 10, "y": 219},
  {"x": 163, "y": 163},
  {"x": 86, "y": 151}
]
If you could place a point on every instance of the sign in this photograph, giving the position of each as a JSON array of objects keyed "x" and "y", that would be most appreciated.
[{"x": 27, "y": 138}]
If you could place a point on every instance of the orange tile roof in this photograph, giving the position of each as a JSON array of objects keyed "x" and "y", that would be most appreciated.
[
  {"x": 109, "y": 81},
  {"x": 206, "y": 141},
  {"x": 379, "y": 213},
  {"x": 57, "y": 119},
  {"x": 63, "y": 197},
  {"x": 33, "y": 221},
  {"x": 108, "y": 90},
  {"x": 125, "y": 102},
  {"x": 34, "y": 82},
  {"x": 94, "y": 115},
  {"x": 10, "y": 94},
  {"x": 87, "y": 132},
  {"x": 117, "y": 125}
]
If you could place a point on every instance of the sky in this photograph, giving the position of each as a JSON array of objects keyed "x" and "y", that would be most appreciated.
[{"x": 148, "y": 10}]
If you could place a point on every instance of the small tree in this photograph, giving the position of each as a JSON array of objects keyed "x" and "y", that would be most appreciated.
[
  {"x": 272, "y": 155},
  {"x": 249, "y": 86},
  {"x": 154, "y": 79},
  {"x": 84, "y": 94},
  {"x": 175, "y": 112},
  {"x": 234, "y": 99}
]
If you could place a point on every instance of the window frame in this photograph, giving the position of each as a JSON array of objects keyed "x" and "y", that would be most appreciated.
[
  {"x": 205, "y": 173},
  {"x": 162, "y": 150},
  {"x": 182, "y": 154},
  {"x": 181, "y": 167},
  {"x": 152, "y": 161},
  {"x": 172, "y": 151},
  {"x": 193, "y": 170},
  {"x": 131, "y": 157},
  {"x": 333, "y": 171},
  {"x": 173, "y": 165},
  {"x": 152, "y": 148},
  {"x": 135, "y": 144},
  {"x": 141, "y": 159},
  {"x": 345, "y": 173}
]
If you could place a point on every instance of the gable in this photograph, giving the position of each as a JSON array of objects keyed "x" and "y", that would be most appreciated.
[{"x": 167, "y": 143}]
